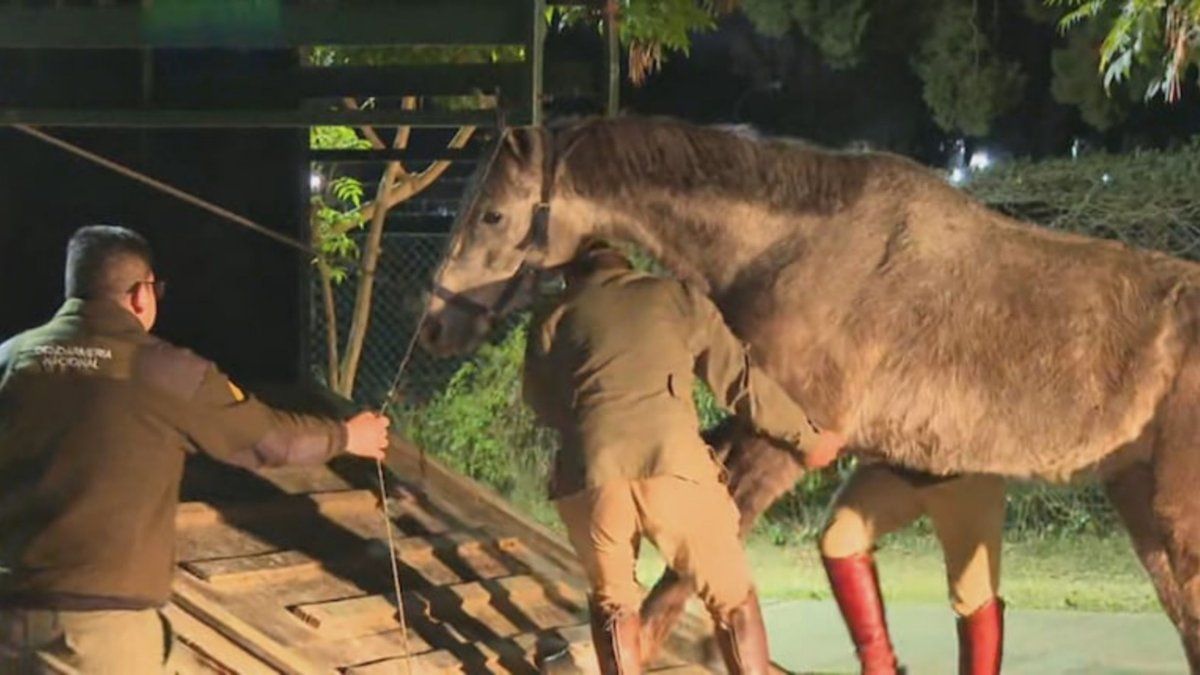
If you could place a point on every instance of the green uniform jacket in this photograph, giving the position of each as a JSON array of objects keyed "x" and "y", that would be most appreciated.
[
  {"x": 612, "y": 366},
  {"x": 96, "y": 416}
]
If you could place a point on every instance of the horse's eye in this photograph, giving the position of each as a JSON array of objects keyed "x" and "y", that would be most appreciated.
[{"x": 492, "y": 218}]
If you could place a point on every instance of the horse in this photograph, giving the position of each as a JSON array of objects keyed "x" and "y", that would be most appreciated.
[{"x": 929, "y": 329}]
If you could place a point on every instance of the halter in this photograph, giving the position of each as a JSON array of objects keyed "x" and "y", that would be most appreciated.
[{"x": 534, "y": 245}]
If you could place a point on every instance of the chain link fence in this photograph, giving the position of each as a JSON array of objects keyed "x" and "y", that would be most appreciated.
[{"x": 406, "y": 267}]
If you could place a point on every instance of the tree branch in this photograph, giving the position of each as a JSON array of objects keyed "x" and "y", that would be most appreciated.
[
  {"x": 368, "y": 132},
  {"x": 414, "y": 184}
]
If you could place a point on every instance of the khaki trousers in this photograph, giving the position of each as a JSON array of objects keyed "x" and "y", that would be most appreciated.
[
  {"x": 693, "y": 524},
  {"x": 116, "y": 642},
  {"x": 967, "y": 513}
]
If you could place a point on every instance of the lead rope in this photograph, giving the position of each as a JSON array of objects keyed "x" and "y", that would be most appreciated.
[
  {"x": 393, "y": 391},
  {"x": 296, "y": 244},
  {"x": 164, "y": 187}
]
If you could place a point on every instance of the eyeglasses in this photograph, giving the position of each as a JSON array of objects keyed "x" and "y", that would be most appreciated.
[{"x": 159, "y": 285}]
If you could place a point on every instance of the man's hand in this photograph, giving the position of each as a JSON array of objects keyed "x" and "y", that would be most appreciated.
[
  {"x": 826, "y": 449},
  {"x": 367, "y": 435}
]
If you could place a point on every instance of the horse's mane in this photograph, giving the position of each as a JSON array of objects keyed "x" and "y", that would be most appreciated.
[{"x": 611, "y": 157}]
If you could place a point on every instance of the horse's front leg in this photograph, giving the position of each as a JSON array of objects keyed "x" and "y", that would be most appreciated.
[{"x": 759, "y": 473}]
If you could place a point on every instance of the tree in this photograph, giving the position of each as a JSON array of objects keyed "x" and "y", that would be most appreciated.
[
  {"x": 1161, "y": 37},
  {"x": 649, "y": 29},
  {"x": 966, "y": 85},
  {"x": 836, "y": 27},
  {"x": 1075, "y": 82},
  {"x": 338, "y": 208}
]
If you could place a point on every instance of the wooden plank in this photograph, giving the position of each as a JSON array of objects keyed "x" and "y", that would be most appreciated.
[
  {"x": 188, "y": 24},
  {"x": 393, "y": 154},
  {"x": 431, "y": 663},
  {"x": 191, "y": 598},
  {"x": 241, "y": 118},
  {"x": 333, "y": 503},
  {"x": 378, "y": 612},
  {"x": 404, "y": 459},
  {"x": 356, "y": 616},
  {"x": 428, "y": 80},
  {"x": 210, "y": 647},
  {"x": 256, "y": 569}
]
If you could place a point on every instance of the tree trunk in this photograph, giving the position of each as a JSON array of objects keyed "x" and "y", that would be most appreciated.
[
  {"x": 396, "y": 185},
  {"x": 612, "y": 34},
  {"x": 331, "y": 329},
  {"x": 360, "y": 320}
]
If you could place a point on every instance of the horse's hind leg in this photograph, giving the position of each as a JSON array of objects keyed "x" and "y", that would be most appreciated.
[
  {"x": 759, "y": 473},
  {"x": 1176, "y": 500},
  {"x": 1132, "y": 492}
]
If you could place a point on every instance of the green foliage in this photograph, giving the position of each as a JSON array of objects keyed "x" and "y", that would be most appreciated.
[
  {"x": 408, "y": 55},
  {"x": 1158, "y": 37},
  {"x": 333, "y": 221},
  {"x": 772, "y": 18},
  {"x": 336, "y": 138},
  {"x": 1146, "y": 199},
  {"x": 648, "y": 27},
  {"x": 1037, "y": 510},
  {"x": 966, "y": 85},
  {"x": 836, "y": 27},
  {"x": 1075, "y": 83},
  {"x": 666, "y": 22},
  {"x": 480, "y": 426}
]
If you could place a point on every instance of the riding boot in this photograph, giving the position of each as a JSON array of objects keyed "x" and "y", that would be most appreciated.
[
  {"x": 981, "y": 640},
  {"x": 742, "y": 639},
  {"x": 617, "y": 638},
  {"x": 855, "y": 585}
]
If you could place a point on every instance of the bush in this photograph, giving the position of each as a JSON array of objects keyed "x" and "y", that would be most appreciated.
[{"x": 480, "y": 426}]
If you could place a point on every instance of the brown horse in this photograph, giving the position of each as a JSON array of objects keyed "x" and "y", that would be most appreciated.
[{"x": 942, "y": 335}]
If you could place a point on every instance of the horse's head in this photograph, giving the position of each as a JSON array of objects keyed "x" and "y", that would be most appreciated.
[{"x": 501, "y": 239}]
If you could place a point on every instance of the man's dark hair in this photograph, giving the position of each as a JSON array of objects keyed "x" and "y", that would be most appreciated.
[{"x": 105, "y": 261}]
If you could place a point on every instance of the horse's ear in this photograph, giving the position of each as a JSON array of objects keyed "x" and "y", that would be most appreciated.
[{"x": 521, "y": 143}]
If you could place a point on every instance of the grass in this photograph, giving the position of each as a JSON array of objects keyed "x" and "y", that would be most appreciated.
[
  {"x": 1086, "y": 573},
  {"x": 1082, "y": 572}
]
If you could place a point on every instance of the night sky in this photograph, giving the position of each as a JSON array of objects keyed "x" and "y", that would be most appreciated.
[{"x": 782, "y": 86}]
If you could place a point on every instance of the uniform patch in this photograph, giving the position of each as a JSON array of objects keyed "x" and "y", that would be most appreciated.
[
  {"x": 77, "y": 358},
  {"x": 238, "y": 394}
]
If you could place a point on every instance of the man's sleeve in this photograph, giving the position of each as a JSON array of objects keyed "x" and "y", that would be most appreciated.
[
  {"x": 225, "y": 422},
  {"x": 534, "y": 378},
  {"x": 723, "y": 361}
]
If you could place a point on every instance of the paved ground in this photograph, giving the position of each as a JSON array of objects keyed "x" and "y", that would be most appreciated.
[{"x": 809, "y": 637}]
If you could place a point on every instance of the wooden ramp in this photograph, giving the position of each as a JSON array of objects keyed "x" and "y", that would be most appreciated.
[{"x": 287, "y": 571}]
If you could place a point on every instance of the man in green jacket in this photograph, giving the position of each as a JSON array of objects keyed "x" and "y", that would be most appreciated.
[
  {"x": 611, "y": 367},
  {"x": 96, "y": 416}
]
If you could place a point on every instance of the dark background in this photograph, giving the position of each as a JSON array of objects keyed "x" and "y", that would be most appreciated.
[{"x": 233, "y": 296}]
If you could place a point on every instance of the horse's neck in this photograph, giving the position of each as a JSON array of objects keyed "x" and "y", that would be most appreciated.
[{"x": 713, "y": 243}]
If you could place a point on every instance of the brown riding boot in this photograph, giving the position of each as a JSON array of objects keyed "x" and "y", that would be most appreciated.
[
  {"x": 981, "y": 640},
  {"x": 855, "y": 585},
  {"x": 617, "y": 638},
  {"x": 742, "y": 639}
]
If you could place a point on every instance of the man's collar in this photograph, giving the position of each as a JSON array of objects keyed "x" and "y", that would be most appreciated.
[{"x": 104, "y": 315}]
